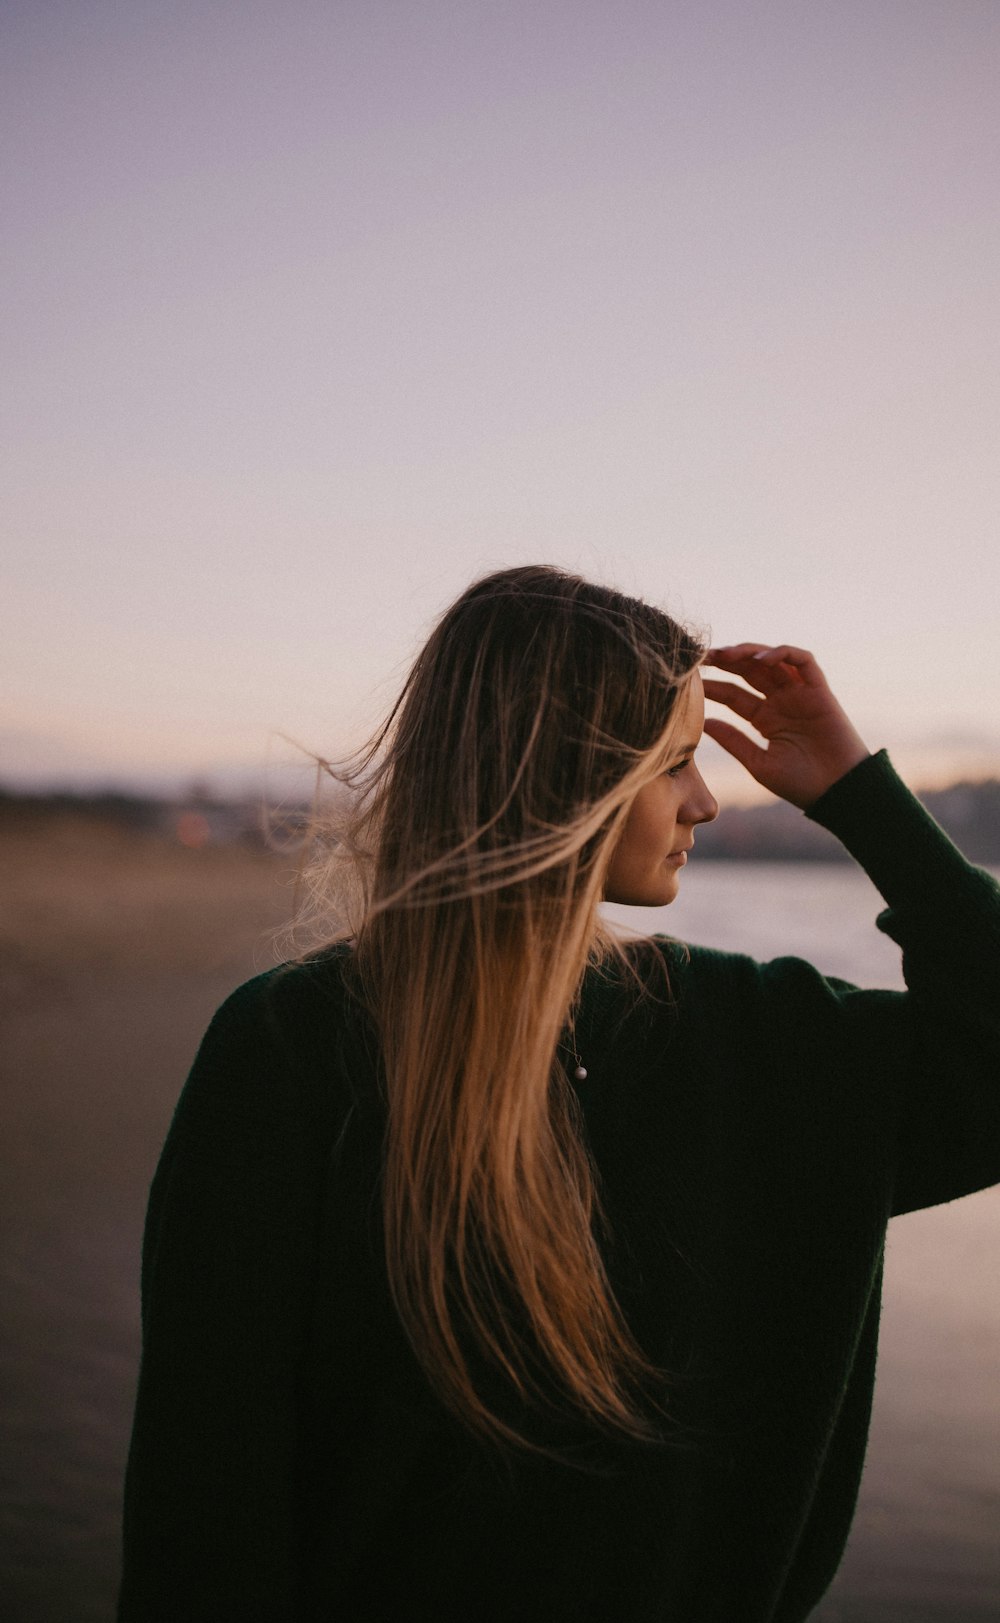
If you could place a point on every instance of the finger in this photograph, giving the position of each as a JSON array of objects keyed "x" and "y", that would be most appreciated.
[
  {"x": 732, "y": 654},
  {"x": 738, "y": 745},
  {"x": 800, "y": 660},
  {"x": 736, "y": 698},
  {"x": 741, "y": 656},
  {"x": 743, "y": 659}
]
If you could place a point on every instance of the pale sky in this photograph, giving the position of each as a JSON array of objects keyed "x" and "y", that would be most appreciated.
[{"x": 314, "y": 311}]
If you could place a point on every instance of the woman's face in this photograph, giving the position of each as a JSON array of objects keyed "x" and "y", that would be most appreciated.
[{"x": 645, "y": 869}]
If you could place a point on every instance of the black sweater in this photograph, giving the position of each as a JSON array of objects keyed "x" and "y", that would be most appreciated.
[{"x": 288, "y": 1460}]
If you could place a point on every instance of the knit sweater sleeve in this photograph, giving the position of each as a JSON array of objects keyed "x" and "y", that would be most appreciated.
[
  {"x": 933, "y": 1052},
  {"x": 227, "y": 1263}
]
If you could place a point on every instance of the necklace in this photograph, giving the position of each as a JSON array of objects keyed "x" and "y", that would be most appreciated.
[{"x": 569, "y": 1047}]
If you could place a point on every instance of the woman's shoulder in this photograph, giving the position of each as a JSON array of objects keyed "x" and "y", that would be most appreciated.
[
  {"x": 725, "y": 995},
  {"x": 700, "y": 972},
  {"x": 687, "y": 966},
  {"x": 299, "y": 1009},
  {"x": 317, "y": 980},
  {"x": 283, "y": 1046}
]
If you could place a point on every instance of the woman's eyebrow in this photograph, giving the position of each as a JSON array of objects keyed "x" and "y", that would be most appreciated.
[{"x": 687, "y": 749}]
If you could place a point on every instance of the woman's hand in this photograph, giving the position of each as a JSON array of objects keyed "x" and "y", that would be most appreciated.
[{"x": 810, "y": 741}]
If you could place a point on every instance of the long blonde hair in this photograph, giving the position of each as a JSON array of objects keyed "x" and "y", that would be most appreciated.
[{"x": 467, "y": 865}]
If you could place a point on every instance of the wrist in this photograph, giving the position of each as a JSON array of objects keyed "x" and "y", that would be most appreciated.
[{"x": 838, "y": 772}]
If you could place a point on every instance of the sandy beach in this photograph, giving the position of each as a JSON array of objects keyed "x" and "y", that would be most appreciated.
[{"x": 116, "y": 947}]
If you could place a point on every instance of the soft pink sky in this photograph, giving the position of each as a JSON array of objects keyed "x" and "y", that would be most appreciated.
[{"x": 313, "y": 311}]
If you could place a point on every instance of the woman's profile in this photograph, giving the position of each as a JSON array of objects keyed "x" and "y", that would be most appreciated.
[{"x": 498, "y": 1269}]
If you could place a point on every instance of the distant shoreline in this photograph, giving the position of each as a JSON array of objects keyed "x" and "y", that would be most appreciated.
[{"x": 969, "y": 812}]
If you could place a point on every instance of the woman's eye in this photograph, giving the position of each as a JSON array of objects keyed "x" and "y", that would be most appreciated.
[{"x": 675, "y": 771}]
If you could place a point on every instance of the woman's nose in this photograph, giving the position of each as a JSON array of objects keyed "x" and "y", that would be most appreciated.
[{"x": 703, "y": 806}]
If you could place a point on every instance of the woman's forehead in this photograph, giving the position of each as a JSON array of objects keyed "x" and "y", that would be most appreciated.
[{"x": 691, "y": 708}]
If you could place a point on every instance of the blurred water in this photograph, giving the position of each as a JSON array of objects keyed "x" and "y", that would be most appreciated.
[
  {"x": 94, "y": 1068},
  {"x": 820, "y": 911}
]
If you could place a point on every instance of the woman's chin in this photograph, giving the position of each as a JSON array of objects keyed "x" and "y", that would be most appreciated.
[
  {"x": 667, "y": 886},
  {"x": 658, "y": 893}
]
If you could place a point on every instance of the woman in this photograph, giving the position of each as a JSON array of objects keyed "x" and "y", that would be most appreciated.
[{"x": 496, "y": 1271}]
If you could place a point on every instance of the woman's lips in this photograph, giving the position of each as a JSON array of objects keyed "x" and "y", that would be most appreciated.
[{"x": 678, "y": 858}]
